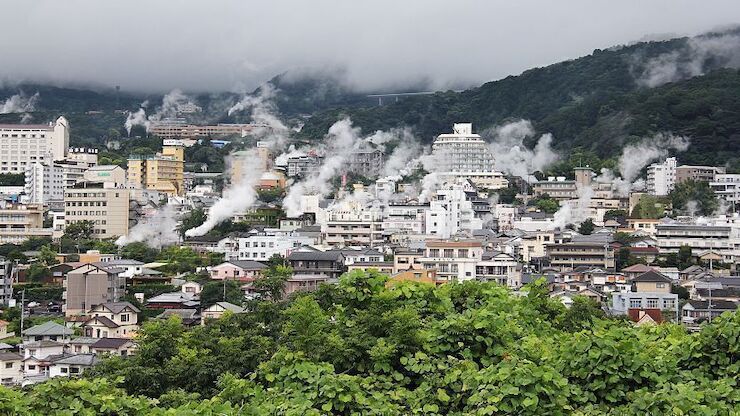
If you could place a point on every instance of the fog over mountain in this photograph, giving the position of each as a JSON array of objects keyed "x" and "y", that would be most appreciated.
[{"x": 236, "y": 45}]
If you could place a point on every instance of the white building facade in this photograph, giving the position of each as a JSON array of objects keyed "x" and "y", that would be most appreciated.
[
  {"x": 44, "y": 184},
  {"x": 24, "y": 144},
  {"x": 661, "y": 177}
]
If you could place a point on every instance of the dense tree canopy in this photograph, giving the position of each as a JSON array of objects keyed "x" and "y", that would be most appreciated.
[{"x": 369, "y": 347}]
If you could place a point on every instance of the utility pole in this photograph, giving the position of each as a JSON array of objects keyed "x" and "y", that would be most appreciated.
[{"x": 23, "y": 312}]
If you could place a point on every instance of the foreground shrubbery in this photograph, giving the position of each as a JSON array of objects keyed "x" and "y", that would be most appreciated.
[{"x": 362, "y": 348}]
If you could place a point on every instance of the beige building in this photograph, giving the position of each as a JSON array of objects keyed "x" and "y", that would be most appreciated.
[
  {"x": 89, "y": 285},
  {"x": 103, "y": 204},
  {"x": 174, "y": 130},
  {"x": 19, "y": 222},
  {"x": 105, "y": 173},
  {"x": 162, "y": 172},
  {"x": 697, "y": 173},
  {"x": 568, "y": 256}
]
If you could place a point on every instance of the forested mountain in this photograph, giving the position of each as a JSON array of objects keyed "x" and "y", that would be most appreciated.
[{"x": 597, "y": 102}]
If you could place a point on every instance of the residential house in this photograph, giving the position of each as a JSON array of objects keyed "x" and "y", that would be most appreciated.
[
  {"x": 11, "y": 368},
  {"x": 642, "y": 317},
  {"x": 240, "y": 270},
  {"x": 81, "y": 345},
  {"x": 4, "y": 330},
  {"x": 48, "y": 331},
  {"x": 114, "y": 346},
  {"x": 173, "y": 300},
  {"x": 414, "y": 274},
  {"x": 71, "y": 365},
  {"x": 112, "y": 320},
  {"x": 189, "y": 317},
  {"x": 652, "y": 291},
  {"x": 217, "y": 310},
  {"x": 697, "y": 311},
  {"x": 311, "y": 268},
  {"x": 635, "y": 270},
  {"x": 191, "y": 288}
]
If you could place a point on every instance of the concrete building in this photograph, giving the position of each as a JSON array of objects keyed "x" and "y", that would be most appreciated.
[
  {"x": 19, "y": 222},
  {"x": 568, "y": 256},
  {"x": 697, "y": 173},
  {"x": 351, "y": 224},
  {"x": 727, "y": 187},
  {"x": 368, "y": 163},
  {"x": 162, "y": 172},
  {"x": 261, "y": 245},
  {"x": 105, "y": 173},
  {"x": 303, "y": 165},
  {"x": 176, "y": 129},
  {"x": 556, "y": 188},
  {"x": 463, "y": 154},
  {"x": 24, "y": 144},
  {"x": 404, "y": 219},
  {"x": 699, "y": 237},
  {"x": 44, "y": 184},
  {"x": 454, "y": 260},
  {"x": 106, "y": 206},
  {"x": 498, "y": 267},
  {"x": 661, "y": 177},
  {"x": 89, "y": 285}
]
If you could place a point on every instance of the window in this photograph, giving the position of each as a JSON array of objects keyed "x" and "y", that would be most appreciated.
[
  {"x": 64, "y": 370},
  {"x": 635, "y": 303},
  {"x": 652, "y": 303},
  {"x": 31, "y": 367},
  {"x": 660, "y": 285},
  {"x": 124, "y": 317},
  {"x": 74, "y": 370},
  {"x": 8, "y": 365}
]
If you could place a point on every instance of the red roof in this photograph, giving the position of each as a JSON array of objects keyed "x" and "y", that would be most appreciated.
[{"x": 635, "y": 314}]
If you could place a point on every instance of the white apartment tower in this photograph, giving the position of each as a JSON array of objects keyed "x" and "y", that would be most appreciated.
[
  {"x": 463, "y": 154},
  {"x": 44, "y": 183},
  {"x": 24, "y": 144},
  {"x": 661, "y": 177}
]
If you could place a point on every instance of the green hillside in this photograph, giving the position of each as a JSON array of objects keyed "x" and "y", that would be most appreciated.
[{"x": 593, "y": 103}]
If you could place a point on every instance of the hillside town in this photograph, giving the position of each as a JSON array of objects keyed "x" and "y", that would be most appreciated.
[{"x": 83, "y": 264}]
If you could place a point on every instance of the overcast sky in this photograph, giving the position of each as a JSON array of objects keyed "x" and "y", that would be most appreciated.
[{"x": 149, "y": 45}]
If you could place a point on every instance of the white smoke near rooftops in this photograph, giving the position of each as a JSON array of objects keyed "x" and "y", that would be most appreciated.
[
  {"x": 156, "y": 231},
  {"x": 341, "y": 140},
  {"x": 692, "y": 59},
  {"x": 574, "y": 212},
  {"x": 19, "y": 103},
  {"x": 637, "y": 155},
  {"x": 236, "y": 199},
  {"x": 172, "y": 103},
  {"x": 512, "y": 157}
]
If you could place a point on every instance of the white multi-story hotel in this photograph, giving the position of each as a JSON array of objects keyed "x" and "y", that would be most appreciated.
[
  {"x": 24, "y": 144},
  {"x": 464, "y": 154},
  {"x": 44, "y": 183},
  {"x": 450, "y": 212},
  {"x": 727, "y": 186},
  {"x": 661, "y": 177}
]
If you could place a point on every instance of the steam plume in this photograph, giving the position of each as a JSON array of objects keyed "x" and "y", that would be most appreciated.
[
  {"x": 510, "y": 154},
  {"x": 156, "y": 231},
  {"x": 19, "y": 103}
]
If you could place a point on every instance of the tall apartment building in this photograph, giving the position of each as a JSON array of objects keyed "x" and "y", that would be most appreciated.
[
  {"x": 661, "y": 177},
  {"x": 464, "y": 154},
  {"x": 24, "y": 144},
  {"x": 91, "y": 284},
  {"x": 19, "y": 222},
  {"x": 44, "y": 184},
  {"x": 102, "y": 203},
  {"x": 162, "y": 172},
  {"x": 697, "y": 173}
]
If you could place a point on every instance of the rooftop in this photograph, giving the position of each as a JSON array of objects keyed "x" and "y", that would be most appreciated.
[{"x": 49, "y": 328}]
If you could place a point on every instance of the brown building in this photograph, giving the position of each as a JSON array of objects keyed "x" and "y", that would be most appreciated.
[
  {"x": 89, "y": 285},
  {"x": 568, "y": 256},
  {"x": 697, "y": 173}
]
